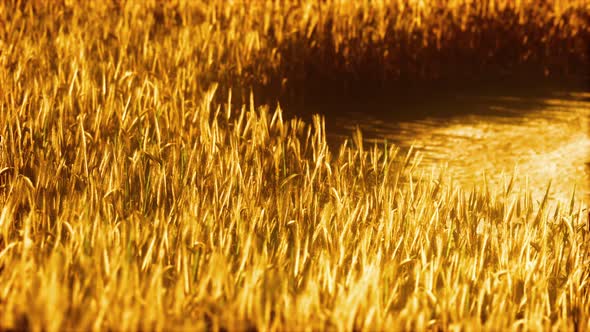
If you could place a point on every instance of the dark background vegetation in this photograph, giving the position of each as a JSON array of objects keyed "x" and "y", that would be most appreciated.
[
  {"x": 470, "y": 49},
  {"x": 340, "y": 55}
]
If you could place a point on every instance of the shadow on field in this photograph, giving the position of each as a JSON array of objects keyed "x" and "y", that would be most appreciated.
[{"x": 411, "y": 101}]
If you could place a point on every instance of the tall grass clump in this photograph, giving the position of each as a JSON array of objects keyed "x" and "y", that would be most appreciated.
[
  {"x": 363, "y": 45},
  {"x": 136, "y": 196}
]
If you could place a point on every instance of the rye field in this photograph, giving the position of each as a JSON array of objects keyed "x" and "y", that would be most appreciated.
[{"x": 144, "y": 186}]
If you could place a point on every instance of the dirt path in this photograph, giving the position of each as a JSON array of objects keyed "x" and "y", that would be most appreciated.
[{"x": 543, "y": 139}]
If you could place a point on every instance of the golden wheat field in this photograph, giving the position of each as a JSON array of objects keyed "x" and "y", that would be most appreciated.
[{"x": 144, "y": 187}]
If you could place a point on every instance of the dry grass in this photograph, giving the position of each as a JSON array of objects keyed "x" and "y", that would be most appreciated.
[{"x": 131, "y": 198}]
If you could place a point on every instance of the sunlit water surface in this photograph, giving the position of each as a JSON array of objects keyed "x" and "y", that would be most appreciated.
[{"x": 537, "y": 139}]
